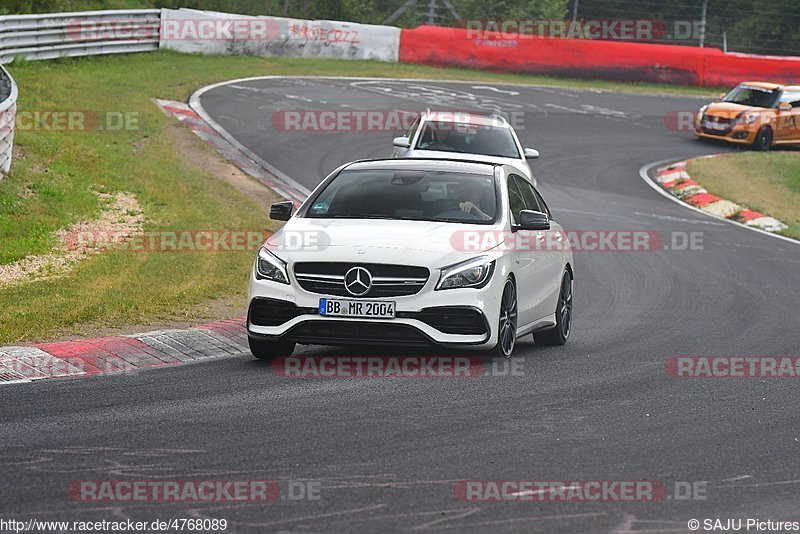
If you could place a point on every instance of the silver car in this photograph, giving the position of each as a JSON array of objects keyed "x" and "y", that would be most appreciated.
[{"x": 466, "y": 136}]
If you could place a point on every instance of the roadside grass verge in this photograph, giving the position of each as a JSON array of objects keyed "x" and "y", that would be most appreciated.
[
  {"x": 766, "y": 182},
  {"x": 56, "y": 175}
]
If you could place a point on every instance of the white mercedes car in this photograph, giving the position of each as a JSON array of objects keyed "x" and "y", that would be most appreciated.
[
  {"x": 413, "y": 252},
  {"x": 465, "y": 135}
]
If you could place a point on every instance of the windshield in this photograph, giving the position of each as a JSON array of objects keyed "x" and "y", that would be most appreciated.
[
  {"x": 484, "y": 139},
  {"x": 747, "y": 95},
  {"x": 408, "y": 195}
]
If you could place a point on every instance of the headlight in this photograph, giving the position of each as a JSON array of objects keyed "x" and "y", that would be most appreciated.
[
  {"x": 471, "y": 273},
  {"x": 270, "y": 267},
  {"x": 749, "y": 118}
]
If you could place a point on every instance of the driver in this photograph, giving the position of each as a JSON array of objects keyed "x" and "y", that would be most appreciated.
[{"x": 469, "y": 198}]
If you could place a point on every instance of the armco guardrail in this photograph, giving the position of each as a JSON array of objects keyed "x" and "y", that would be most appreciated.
[
  {"x": 87, "y": 33},
  {"x": 8, "y": 110}
]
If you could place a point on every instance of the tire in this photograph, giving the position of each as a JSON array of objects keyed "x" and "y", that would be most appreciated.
[
  {"x": 507, "y": 322},
  {"x": 763, "y": 139},
  {"x": 269, "y": 350},
  {"x": 559, "y": 334}
]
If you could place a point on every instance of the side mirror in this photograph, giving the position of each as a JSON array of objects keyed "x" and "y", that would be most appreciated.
[
  {"x": 721, "y": 96},
  {"x": 785, "y": 106},
  {"x": 531, "y": 153},
  {"x": 533, "y": 220},
  {"x": 401, "y": 142},
  {"x": 281, "y": 211}
]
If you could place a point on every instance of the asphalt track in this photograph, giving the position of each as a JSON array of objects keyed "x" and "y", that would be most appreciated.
[{"x": 387, "y": 453}]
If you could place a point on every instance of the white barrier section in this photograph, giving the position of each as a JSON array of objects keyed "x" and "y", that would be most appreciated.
[
  {"x": 207, "y": 32},
  {"x": 8, "y": 108}
]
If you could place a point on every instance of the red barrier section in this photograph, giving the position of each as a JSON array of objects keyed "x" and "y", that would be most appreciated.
[
  {"x": 730, "y": 69},
  {"x": 586, "y": 58}
]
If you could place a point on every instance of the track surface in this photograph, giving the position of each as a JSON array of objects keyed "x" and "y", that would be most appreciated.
[{"x": 387, "y": 452}]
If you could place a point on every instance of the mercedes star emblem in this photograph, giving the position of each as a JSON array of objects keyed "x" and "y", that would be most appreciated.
[{"x": 357, "y": 281}]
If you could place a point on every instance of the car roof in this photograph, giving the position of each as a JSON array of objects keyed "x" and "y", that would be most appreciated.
[
  {"x": 764, "y": 85},
  {"x": 425, "y": 164},
  {"x": 477, "y": 118}
]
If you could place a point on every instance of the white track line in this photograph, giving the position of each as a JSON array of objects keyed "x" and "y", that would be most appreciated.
[{"x": 644, "y": 173}]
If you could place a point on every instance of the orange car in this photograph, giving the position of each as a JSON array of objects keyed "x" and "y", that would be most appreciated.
[{"x": 758, "y": 114}]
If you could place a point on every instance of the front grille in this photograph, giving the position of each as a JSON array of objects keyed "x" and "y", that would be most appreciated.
[
  {"x": 717, "y": 118},
  {"x": 327, "y": 278},
  {"x": 726, "y": 124},
  {"x": 355, "y": 332},
  {"x": 273, "y": 312},
  {"x": 451, "y": 319}
]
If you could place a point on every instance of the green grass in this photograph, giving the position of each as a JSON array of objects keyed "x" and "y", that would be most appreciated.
[
  {"x": 54, "y": 174},
  {"x": 765, "y": 182}
]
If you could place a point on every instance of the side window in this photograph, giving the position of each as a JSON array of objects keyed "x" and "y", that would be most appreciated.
[
  {"x": 411, "y": 131},
  {"x": 427, "y": 137},
  {"x": 515, "y": 199},
  {"x": 528, "y": 196}
]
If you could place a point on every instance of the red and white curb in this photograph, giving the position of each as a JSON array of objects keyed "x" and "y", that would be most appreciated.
[
  {"x": 282, "y": 185},
  {"x": 122, "y": 354},
  {"x": 675, "y": 180}
]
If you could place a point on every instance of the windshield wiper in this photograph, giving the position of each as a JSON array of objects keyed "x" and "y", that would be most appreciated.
[{"x": 324, "y": 216}]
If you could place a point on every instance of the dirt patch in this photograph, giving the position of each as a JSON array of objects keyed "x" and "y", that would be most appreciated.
[
  {"x": 141, "y": 144},
  {"x": 204, "y": 158},
  {"x": 121, "y": 216}
]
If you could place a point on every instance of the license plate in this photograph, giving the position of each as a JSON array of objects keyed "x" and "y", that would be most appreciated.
[
  {"x": 715, "y": 125},
  {"x": 379, "y": 309}
]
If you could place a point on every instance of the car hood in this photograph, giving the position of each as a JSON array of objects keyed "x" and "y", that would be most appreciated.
[
  {"x": 437, "y": 154},
  {"x": 729, "y": 109},
  {"x": 378, "y": 241}
]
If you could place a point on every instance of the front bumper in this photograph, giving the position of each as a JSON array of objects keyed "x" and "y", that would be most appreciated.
[
  {"x": 453, "y": 317},
  {"x": 738, "y": 135}
]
